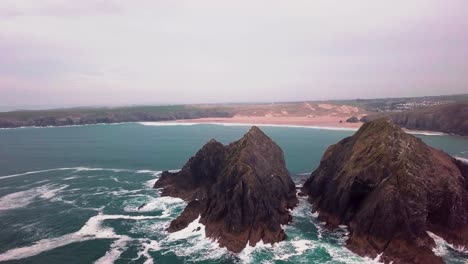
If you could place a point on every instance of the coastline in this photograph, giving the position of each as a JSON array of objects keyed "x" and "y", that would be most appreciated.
[
  {"x": 297, "y": 121},
  {"x": 323, "y": 122}
]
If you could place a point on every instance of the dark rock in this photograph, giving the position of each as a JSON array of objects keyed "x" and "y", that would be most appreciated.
[
  {"x": 390, "y": 189},
  {"x": 352, "y": 120},
  {"x": 141, "y": 206},
  {"x": 366, "y": 119},
  {"x": 241, "y": 192},
  {"x": 448, "y": 118}
]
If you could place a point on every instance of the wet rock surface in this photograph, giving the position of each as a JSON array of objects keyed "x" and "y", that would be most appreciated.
[
  {"x": 241, "y": 192},
  {"x": 390, "y": 188}
]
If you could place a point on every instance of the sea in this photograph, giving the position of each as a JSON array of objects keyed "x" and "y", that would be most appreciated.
[{"x": 71, "y": 195}]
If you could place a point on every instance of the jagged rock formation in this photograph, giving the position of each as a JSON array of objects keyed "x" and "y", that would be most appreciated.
[
  {"x": 447, "y": 118},
  {"x": 390, "y": 188},
  {"x": 242, "y": 191}
]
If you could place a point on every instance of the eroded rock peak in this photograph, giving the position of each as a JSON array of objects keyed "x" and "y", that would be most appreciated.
[{"x": 242, "y": 191}]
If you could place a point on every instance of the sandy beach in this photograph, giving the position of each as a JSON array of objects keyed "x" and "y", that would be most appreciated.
[{"x": 317, "y": 121}]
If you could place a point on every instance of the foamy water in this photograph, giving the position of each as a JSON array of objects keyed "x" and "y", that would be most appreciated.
[{"x": 82, "y": 206}]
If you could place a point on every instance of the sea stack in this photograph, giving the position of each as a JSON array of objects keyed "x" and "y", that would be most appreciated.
[
  {"x": 391, "y": 189},
  {"x": 241, "y": 192}
]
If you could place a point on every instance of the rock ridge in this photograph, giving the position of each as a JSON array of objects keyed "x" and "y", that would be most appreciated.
[{"x": 242, "y": 191}]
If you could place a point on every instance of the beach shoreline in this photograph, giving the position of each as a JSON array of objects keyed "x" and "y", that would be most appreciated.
[{"x": 319, "y": 121}]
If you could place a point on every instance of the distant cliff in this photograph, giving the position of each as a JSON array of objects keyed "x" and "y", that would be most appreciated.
[
  {"x": 449, "y": 118},
  {"x": 241, "y": 192},
  {"x": 390, "y": 188},
  {"x": 85, "y": 116}
]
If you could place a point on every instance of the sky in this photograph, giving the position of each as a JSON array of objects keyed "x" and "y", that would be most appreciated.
[{"x": 96, "y": 52}]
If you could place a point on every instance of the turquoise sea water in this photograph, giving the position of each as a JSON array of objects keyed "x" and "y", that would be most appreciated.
[{"x": 70, "y": 195}]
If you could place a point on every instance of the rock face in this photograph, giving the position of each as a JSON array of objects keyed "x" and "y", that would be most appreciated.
[
  {"x": 448, "y": 118},
  {"x": 390, "y": 189},
  {"x": 241, "y": 192}
]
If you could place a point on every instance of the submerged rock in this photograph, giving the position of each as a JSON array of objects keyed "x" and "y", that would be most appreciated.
[
  {"x": 242, "y": 191},
  {"x": 390, "y": 188}
]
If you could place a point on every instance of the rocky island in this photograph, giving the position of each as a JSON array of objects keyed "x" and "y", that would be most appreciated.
[
  {"x": 241, "y": 192},
  {"x": 390, "y": 188}
]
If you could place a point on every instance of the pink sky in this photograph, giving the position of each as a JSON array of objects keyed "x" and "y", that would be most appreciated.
[{"x": 64, "y": 53}]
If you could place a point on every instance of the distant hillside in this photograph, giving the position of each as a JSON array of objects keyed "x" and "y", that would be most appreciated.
[
  {"x": 399, "y": 104},
  {"x": 84, "y": 116},
  {"x": 436, "y": 113},
  {"x": 448, "y": 118}
]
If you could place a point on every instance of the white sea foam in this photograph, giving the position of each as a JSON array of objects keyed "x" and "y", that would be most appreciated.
[
  {"x": 155, "y": 173},
  {"x": 92, "y": 229},
  {"x": 76, "y": 169},
  {"x": 166, "y": 204},
  {"x": 300, "y": 246},
  {"x": 47, "y": 192},
  {"x": 426, "y": 133},
  {"x": 190, "y": 230},
  {"x": 441, "y": 245},
  {"x": 117, "y": 248},
  {"x": 146, "y": 246},
  {"x": 33, "y": 172},
  {"x": 198, "y": 243},
  {"x": 167, "y": 124},
  {"x": 149, "y": 184},
  {"x": 462, "y": 159},
  {"x": 71, "y": 178},
  {"x": 97, "y": 124},
  {"x": 23, "y": 198}
]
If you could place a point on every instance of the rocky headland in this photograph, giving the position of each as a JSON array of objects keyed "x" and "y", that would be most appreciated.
[
  {"x": 241, "y": 192},
  {"x": 390, "y": 188},
  {"x": 447, "y": 118}
]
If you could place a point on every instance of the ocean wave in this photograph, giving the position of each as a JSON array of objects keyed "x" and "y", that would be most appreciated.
[
  {"x": 91, "y": 230},
  {"x": 167, "y": 124},
  {"x": 117, "y": 248},
  {"x": 71, "y": 178},
  {"x": 198, "y": 244},
  {"x": 144, "y": 248},
  {"x": 150, "y": 184},
  {"x": 34, "y": 172},
  {"x": 462, "y": 159},
  {"x": 155, "y": 173},
  {"x": 76, "y": 169},
  {"x": 426, "y": 133},
  {"x": 23, "y": 198},
  {"x": 300, "y": 246},
  {"x": 166, "y": 204},
  {"x": 441, "y": 246},
  {"x": 97, "y": 124}
]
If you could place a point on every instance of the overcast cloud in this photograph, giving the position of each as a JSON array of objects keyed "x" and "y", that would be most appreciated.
[{"x": 88, "y": 52}]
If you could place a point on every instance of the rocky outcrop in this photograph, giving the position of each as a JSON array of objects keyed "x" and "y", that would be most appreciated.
[
  {"x": 448, "y": 118},
  {"x": 390, "y": 188},
  {"x": 352, "y": 119},
  {"x": 241, "y": 192}
]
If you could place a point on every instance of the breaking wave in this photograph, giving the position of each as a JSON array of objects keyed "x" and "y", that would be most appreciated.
[
  {"x": 92, "y": 229},
  {"x": 23, "y": 198}
]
